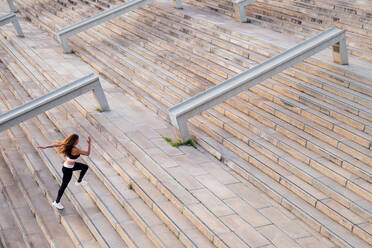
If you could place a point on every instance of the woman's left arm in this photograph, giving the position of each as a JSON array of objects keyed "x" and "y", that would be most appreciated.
[{"x": 45, "y": 147}]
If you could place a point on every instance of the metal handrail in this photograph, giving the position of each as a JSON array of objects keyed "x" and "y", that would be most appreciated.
[
  {"x": 180, "y": 113},
  {"x": 11, "y": 18},
  {"x": 54, "y": 98},
  {"x": 11, "y": 6},
  {"x": 104, "y": 16}
]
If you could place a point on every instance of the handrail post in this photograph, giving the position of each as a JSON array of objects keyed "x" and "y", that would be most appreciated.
[
  {"x": 178, "y": 4},
  {"x": 66, "y": 47},
  {"x": 339, "y": 52},
  {"x": 11, "y": 18},
  {"x": 180, "y": 124},
  {"x": 100, "y": 96},
  {"x": 17, "y": 27},
  {"x": 11, "y": 6},
  {"x": 240, "y": 11}
]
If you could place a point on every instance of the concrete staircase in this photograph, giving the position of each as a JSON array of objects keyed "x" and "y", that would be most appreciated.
[
  {"x": 303, "y": 137},
  {"x": 187, "y": 214}
]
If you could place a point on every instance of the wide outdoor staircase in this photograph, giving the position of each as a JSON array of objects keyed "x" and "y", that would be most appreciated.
[
  {"x": 304, "y": 137},
  {"x": 130, "y": 201},
  {"x": 304, "y": 18}
]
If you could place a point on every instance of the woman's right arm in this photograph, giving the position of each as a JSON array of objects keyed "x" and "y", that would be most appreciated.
[{"x": 76, "y": 151}]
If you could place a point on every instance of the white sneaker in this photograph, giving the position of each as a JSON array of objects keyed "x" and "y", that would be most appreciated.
[
  {"x": 58, "y": 205},
  {"x": 83, "y": 182}
]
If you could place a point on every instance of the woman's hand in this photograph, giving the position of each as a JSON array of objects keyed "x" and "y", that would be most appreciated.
[
  {"x": 42, "y": 147},
  {"x": 89, "y": 140}
]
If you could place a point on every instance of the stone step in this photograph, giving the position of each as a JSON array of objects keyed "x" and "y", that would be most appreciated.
[
  {"x": 208, "y": 5},
  {"x": 359, "y": 9},
  {"x": 20, "y": 219},
  {"x": 312, "y": 216},
  {"x": 297, "y": 129},
  {"x": 295, "y": 14},
  {"x": 30, "y": 233},
  {"x": 360, "y": 139},
  {"x": 10, "y": 236},
  {"x": 316, "y": 17},
  {"x": 355, "y": 166}
]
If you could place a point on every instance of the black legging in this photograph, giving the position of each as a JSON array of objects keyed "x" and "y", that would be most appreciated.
[{"x": 67, "y": 175}]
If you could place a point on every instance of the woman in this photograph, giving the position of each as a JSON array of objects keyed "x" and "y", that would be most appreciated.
[{"x": 69, "y": 150}]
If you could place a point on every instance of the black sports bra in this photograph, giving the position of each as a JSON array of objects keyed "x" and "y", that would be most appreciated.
[{"x": 69, "y": 155}]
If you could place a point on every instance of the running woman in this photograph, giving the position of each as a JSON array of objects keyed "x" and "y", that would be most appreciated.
[{"x": 69, "y": 150}]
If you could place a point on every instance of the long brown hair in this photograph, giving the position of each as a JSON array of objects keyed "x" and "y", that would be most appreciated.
[{"x": 64, "y": 147}]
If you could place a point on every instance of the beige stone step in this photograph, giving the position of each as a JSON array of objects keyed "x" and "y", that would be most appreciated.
[
  {"x": 344, "y": 159},
  {"x": 10, "y": 235},
  {"x": 305, "y": 13},
  {"x": 300, "y": 208},
  {"x": 329, "y": 7},
  {"x": 349, "y": 133},
  {"x": 211, "y": 7},
  {"x": 29, "y": 231},
  {"x": 306, "y": 17},
  {"x": 329, "y": 104}
]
